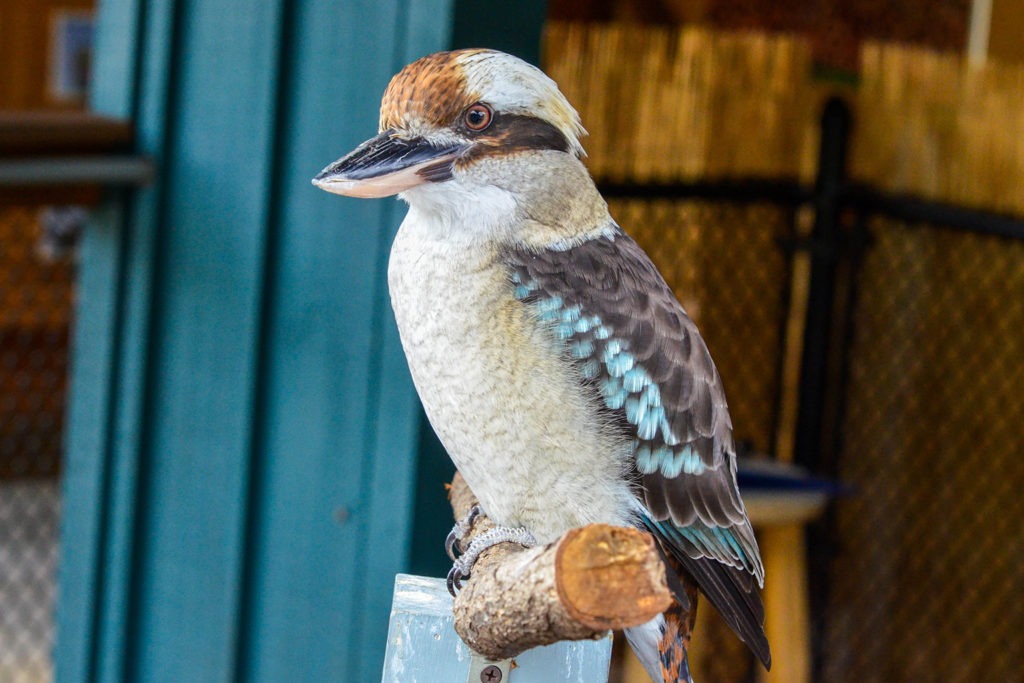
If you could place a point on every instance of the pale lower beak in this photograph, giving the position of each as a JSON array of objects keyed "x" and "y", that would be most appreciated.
[{"x": 388, "y": 164}]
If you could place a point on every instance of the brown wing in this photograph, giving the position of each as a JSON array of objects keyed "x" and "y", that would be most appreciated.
[{"x": 645, "y": 360}]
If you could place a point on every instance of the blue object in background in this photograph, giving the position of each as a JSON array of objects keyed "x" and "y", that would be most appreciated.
[
  {"x": 423, "y": 646},
  {"x": 243, "y": 435}
]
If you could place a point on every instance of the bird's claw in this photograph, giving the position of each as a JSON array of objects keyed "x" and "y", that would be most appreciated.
[
  {"x": 459, "y": 531},
  {"x": 500, "y": 534},
  {"x": 455, "y": 576},
  {"x": 450, "y": 541}
]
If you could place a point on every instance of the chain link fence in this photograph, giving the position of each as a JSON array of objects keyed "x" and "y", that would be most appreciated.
[
  {"x": 925, "y": 582},
  {"x": 35, "y": 306}
]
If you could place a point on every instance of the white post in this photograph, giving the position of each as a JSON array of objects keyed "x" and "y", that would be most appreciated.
[{"x": 977, "y": 32}]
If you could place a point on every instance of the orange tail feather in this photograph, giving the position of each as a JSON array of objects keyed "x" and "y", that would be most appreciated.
[{"x": 675, "y": 639}]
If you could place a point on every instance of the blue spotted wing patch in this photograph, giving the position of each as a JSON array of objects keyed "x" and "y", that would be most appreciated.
[
  {"x": 622, "y": 323},
  {"x": 608, "y": 359}
]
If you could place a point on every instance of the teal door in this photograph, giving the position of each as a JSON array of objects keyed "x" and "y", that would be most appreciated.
[{"x": 243, "y": 441}]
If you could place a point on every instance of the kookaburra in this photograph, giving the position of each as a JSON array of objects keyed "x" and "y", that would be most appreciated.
[{"x": 559, "y": 371}]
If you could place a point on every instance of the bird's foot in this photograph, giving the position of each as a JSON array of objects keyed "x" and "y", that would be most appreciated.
[
  {"x": 459, "y": 531},
  {"x": 499, "y": 534}
]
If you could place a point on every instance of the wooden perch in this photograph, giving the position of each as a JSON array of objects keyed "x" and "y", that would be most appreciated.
[{"x": 592, "y": 579}]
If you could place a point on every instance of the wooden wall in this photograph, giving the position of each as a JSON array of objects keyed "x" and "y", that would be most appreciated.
[
  {"x": 683, "y": 103},
  {"x": 35, "y": 295},
  {"x": 1005, "y": 43},
  {"x": 26, "y": 42}
]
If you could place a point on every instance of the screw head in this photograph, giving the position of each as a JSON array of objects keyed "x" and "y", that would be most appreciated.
[
  {"x": 490, "y": 674},
  {"x": 341, "y": 514}
]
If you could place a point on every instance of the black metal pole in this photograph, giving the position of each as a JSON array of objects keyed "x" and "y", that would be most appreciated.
[
  {"x": 825, "y": 243},
  {"x": 813, "y": 443}
]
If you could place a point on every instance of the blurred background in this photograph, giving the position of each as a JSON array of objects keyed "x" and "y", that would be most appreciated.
[{"x": 212, "y": 461}]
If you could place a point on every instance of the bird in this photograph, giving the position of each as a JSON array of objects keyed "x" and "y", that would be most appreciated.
[{"x": 558, "y": 369}]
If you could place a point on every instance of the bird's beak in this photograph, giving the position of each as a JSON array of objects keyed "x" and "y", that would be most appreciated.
[{"x": 388, "y": 164}]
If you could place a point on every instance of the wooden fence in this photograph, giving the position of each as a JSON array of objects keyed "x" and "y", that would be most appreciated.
[{"x": 692, "y": 103}]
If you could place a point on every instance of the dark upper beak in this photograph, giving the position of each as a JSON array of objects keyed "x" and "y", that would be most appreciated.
[{"x": 388, "y": 164}]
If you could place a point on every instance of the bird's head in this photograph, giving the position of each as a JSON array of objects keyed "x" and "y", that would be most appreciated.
[{"x": 464, "y": 126}]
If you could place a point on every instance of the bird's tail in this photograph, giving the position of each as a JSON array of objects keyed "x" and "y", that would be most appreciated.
[
  {"x": 675, "y": 642},
  {"x": 661, "y": 644}
]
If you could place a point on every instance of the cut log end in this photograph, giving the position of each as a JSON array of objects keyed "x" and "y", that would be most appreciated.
[{"x": 610, "y": 577}]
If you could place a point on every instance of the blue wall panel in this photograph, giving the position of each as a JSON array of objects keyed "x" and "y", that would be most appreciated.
[
  {"x": 242, "y": 424},
  {"x": 110, "y": 352},
  {"x": 194, "y": 454},
  {"x": 324, "y": 338},
  {"x": 243, "y": 431}
]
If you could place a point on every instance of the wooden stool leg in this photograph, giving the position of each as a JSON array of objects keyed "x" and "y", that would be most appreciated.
[{"x": 785, "y": 602}]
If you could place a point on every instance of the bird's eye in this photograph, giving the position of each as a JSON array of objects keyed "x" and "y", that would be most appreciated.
[{"x": 478, "y": 116}]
